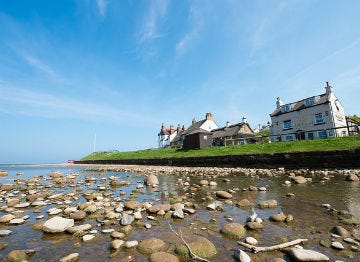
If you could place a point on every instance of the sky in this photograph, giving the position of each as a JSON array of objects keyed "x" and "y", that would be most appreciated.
[{"x": 71, "y": 69}]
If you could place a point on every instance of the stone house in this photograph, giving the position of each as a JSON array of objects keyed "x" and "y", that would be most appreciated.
[
  {"x": 234, "y": 134},
  {"x": 314, "y": 117}
]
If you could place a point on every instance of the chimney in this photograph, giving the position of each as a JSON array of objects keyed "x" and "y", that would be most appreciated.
[
  {"x": 228, "y": 124},
  {"x": 183, "y": 128},
  {"x": 279, "y": 103},
  {"x": 209, "y": 116},
  {"x": 172, "y": 129},
  {"x": 178, "y": 129},
  {"x": 162, "y": 126},
  {"x": 244, "y": 120},
  {"x": 328, "y": 88},
  {"x": 193, "y": 121}
]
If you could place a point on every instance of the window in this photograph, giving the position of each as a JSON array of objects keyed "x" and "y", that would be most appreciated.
[
  {"x": 331, "y": 133},
  {"x": 205, "y": 137},
  {"x": 319, "y": 119},
  {"x": 285, "y": 108},
  {"x": 289, "y": 138},
  {"x": 310, "y": 136},
  {"x": 322, "y": 134},
  {"x": 241, "y": 142},
  {"x": 287, "y": 125},
  {"x": 310, "y": 101}
]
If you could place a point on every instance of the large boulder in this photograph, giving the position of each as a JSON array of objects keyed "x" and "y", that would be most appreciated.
[
  {"x": 163, "y": 257},
  {"x": 78, "y": 215},
  {"x": 151, "y": 245},
  {"x": 57, "y": 224},
  {"x": 156, "y": 208},
  {"x": 200, "y": 246},
  {"x": 223, "y": 194},
  {"x": 132, "y": 205},
  {"x": 299, "y": 254},
  {"x": 340, "y": 231},
  {"x": 233, "y": 231},
  {"x": 352, "y": 177},
  {"x": 151, "y": 180},
  {"x": 19, "y": 255},
  {"x": 272, "y": 203},
  {"x": 280, "y": 217}
]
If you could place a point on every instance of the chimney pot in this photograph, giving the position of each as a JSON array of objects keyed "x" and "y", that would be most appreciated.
[{"x": 209, "y": 116}]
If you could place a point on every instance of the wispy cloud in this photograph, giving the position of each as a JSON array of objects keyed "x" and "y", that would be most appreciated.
[
  {"x": 149, "y": 29},
  {"x": 102, "y": 5},
  {"x": 21, "y": 101},
  {"x": 196, "y": 24},
  {"x": 261, "y": 33},
  {"x": 323, "y": 60},
  {"x": 38, "y": 64}
]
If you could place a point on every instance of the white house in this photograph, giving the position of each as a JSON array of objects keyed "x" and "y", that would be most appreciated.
[
  {"x": 314, "y": 117},
  {"x": 166, "y": 135}
]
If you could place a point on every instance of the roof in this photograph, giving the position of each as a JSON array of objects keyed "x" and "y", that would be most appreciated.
[
  {"x": 232, "y": 130},
  {"x": 299, "y": 105},
  {"x": 194, "y": 127},
  {"x": 199, "y": 131},
  {"x": 177, "y": 138},
  {"x": 167, "y": 131}
]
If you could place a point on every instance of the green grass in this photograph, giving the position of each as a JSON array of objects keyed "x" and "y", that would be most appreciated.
[{"x": 329, "y": 144}]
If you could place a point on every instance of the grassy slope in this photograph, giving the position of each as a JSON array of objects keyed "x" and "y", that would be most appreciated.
[{"x": 264, "y": 148}]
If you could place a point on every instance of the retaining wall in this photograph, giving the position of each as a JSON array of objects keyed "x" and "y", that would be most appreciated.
[{"x": 313, "y": 160}]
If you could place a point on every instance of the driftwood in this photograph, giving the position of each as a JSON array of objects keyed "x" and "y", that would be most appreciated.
[
  {"x": 192, "y": 255},
  {"x": 256, "y": 249}
]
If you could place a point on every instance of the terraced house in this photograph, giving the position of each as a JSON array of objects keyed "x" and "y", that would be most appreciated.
[{"x": 314, "y": 117}]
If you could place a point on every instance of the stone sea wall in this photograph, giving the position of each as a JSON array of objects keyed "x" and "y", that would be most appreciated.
[{"x": 315, "y": 160}]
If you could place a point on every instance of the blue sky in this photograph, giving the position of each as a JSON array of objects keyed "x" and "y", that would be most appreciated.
[{"x": 70, "y": 69}]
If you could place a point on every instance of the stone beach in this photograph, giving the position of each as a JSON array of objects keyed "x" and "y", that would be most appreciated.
[{"x": 127, "y": 213}]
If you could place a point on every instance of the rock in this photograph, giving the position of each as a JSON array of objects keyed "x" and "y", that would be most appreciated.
[
  {"x": 6, "y": 218},
  {"x": 350, "y": 221},
  {"x": 57, "y": 225},
  {"x": 137, "y": 215},
  {"x": 54, "y": 211},
  {"x": 163, "y": 257},
  {"x": 78, "y": 215},
  {"x": 280, "y": 217},
  {"x": 117, "y": 243},
  {"x": 87, "y": 237},
  {"x": 126, "y": 229},
  {"x": 19, "y": 255},
  {"x": 325, "y": 243},
  {"x": 189, "y": 210},
  {"x": 156, "y": 208},
  {"x": 306, "y": 255},
  {"x": 352, "y": 177},
  {"x": 289, "y": 218},
  {"x": 5, "y": 232},
  {"x": 116, "y": 234},
  {"x": 340, "y": 231},
  {"x": 272, "y": 203},
  {"x": 71, "y": 258},
  {"x": 212, "y": 184},
  {"x": 262, "y": 188},
  {"x": 214, "y": 206},
  {"x": 351, "y": 241},
  {"x": 244, "y": 203},
  {"x": 107, "y": 231},
  {"x": 131, "y": 244},
  {"x": 242, "y": 256},
  {"x": 3, "y": 245},
  {"x": 151, "y": 180},
  {"x": 254, "y": 225},
  {"x": 151, "y": 245},
  {"x": 178, "y": 213},
  {"x": 299, "y": 179},
  {"x": 251, "y": 241},
  {"x": 233, "y": 231},
  {"x": 12, "y": 202},
  {"x": 22, "y": 205},
  {"x": 223, "y": 194},
  {"x": 337, "y": 245},
  {"x": 200, "y": 246},
  {"x": 204, "y": 182},
  {"x": 132, "y": 205},
  {"x": 80, "y": 228},
  {"x": 3, "y": 173},
  {"x": 127, "y": 219},
  {"x": 16, "y": 221}
]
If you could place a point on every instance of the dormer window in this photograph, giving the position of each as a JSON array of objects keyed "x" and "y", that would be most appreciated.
[
  {"x": 309, "y": 101},
  {"x": 285, "y": 108}
]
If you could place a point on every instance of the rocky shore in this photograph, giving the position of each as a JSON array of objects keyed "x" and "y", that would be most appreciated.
[{"x": 159, "y": 213}]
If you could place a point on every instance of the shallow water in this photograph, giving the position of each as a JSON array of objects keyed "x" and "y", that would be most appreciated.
[{"x": 311, "y": 220}]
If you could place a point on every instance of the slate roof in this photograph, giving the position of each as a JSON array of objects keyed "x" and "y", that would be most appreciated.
[
  {"x": 232, "y": 130},
  {"x": 194, "y": 127},
  {"x": 299, "y": 105}
]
